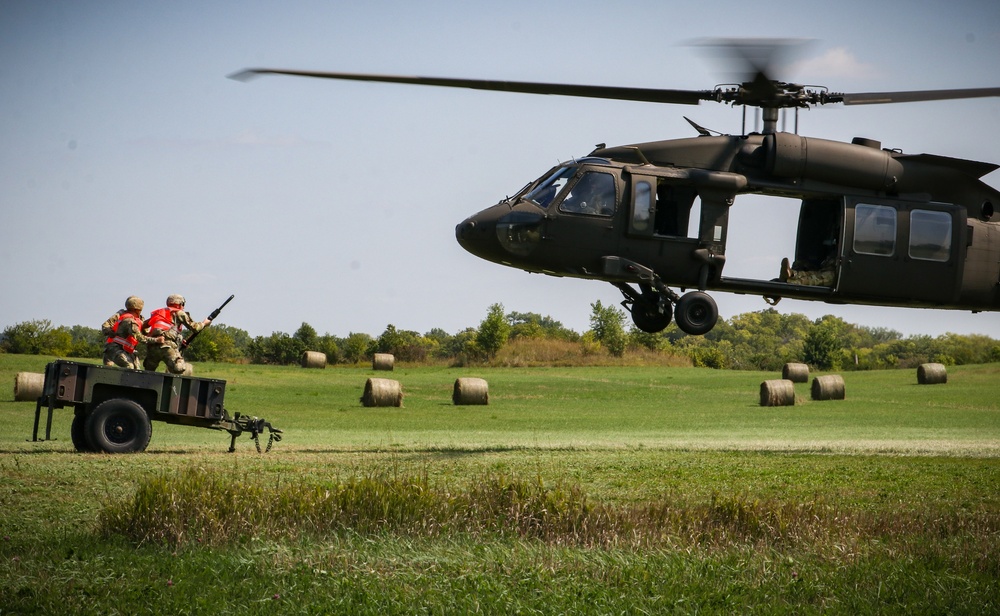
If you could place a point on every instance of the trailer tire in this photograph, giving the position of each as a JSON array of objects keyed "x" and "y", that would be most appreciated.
[
  {"x": 78, "y": 434},
  {"x": 118, "y": 426}
]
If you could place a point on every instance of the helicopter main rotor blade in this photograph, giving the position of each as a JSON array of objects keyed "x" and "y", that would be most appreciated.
[
  {"x": 649, "y": 95},
  {"x": 877, "y": 98}
]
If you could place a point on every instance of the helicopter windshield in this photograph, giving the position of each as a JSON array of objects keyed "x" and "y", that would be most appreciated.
[
  {"x": 547, "y": 189},
  {"x": 552, "y": 184}
]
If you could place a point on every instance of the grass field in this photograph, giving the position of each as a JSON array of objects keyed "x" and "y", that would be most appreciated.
[{"x": 577, "y": 490}]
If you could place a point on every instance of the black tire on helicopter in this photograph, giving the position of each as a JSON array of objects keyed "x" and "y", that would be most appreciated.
[
  {"x": 647, "y": 316},
  {"x": 696, "y": 313}
]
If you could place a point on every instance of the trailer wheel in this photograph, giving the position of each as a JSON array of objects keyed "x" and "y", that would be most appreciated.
[
  {"x": 118, "y": 426},
  {"x": 78, "y": 433}
]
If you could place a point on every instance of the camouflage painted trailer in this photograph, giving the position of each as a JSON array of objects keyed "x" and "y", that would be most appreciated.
[{"x": 114, "y": 407}]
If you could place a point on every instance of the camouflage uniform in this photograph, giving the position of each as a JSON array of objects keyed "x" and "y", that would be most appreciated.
[
  {"x": 108, "y": 327},
  {"x": 117, "y": 355},
  {"x": 799, "y": 274},
  {"x": 168, "y": 351}
]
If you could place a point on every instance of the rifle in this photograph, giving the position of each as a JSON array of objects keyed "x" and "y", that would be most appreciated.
[{"x": 211, "y": 317}]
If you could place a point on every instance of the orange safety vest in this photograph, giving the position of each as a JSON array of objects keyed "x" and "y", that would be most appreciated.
[
  {"x": 126, "y": 343},
  {"x": 162, "y": 319}
]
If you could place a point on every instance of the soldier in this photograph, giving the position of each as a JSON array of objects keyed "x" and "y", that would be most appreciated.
[
  {"x": 108, "y": 327},
  {"x": 801, "y": 273},
  {"x": 124, "y": 333},
  {"x": 168, "y": 323}
]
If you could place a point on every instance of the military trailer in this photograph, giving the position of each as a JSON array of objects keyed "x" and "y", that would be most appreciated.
[{"x": 114, "y": 407}]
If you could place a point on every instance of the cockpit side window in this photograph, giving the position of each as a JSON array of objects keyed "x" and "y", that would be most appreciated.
[{"x": 594, "y": 193}]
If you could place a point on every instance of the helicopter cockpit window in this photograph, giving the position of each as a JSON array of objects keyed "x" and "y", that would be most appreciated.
[
  {"x": 874, "y": 230},
  {"x": 594, "y": 193},
  {"x": 548, "y": 188},
  {"x": 930, "y": 235}
]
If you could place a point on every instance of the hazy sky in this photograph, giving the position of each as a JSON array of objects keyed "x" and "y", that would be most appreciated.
[{"x": 130, "y": 164}]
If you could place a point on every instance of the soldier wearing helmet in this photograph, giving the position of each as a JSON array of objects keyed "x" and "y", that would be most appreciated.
[
  {"x": 168, "y": 323},
  {"x": 123, "y": 332},
  {"x": 132, "y": 303}
]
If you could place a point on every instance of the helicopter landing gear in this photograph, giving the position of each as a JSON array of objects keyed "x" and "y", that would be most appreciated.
[
  {"x": 649, "y": 316},
  {"x": 654, "y": 304},
  {"x": 696, "y": 313},
  {"x": 651, "y": 309}
]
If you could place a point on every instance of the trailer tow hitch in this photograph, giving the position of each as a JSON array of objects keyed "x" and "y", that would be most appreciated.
[{"x": 255, "y": 426}]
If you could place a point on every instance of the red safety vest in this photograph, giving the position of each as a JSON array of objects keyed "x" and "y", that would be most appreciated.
[
  {"x": 161, "y": 320},
  {"x": 126, "y": 343}
]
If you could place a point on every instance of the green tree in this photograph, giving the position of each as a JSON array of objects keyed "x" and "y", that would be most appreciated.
[
  {"x": 278, "y": 348},
  {"x": 388, "y": 341},
  {"x": 822, "y": 346},
  {"x": 220, "y": 343},
  {"x": 493, "y": 331},
  {"x": 86, "y": 342},
  {"x": 330, "y": 346},
  {"x": 652, "y": 341},
  {"x": 36, "y": 337},
  {"x": 766, "y": 340},
  {"x": 404, "y": 345},
  {"x": 441, "y": 342},
  {"x": 608, "y": 325},
  {"x": 306, "y": 334},
  {"x": 534, "y": 325},
  {"x": 355, "y": 347}
]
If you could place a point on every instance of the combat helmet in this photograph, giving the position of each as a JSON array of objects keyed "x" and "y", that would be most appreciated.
[
  {"x": 134, "y": 303},
  {"x": 175, "y": 300}
]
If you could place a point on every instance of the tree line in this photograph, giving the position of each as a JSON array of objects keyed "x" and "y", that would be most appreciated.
[{"x": 763, "y": 340}]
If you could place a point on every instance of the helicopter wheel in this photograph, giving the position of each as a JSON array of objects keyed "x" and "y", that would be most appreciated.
[
  {"x": 647, "y": 316},
  {"x": 696, "y": 313}
]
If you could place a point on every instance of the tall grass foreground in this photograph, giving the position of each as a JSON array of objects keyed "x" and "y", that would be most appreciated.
[{"x": 198, "y": 506}]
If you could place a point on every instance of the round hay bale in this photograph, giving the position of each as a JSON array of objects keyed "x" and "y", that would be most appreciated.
[
  {"x": 777, "y": 392},
  {"x": 932, "y": 374},
  {"x": 383, "y": 361},
  {"x": 471, "y": 391},
  {"x": 828, "y": 387},
  {"x": 28, "y": 386},
  {"x": 796, "y": 373},
  {"x": 382, "y": 392},
  {"x": 313, "y": 359}
]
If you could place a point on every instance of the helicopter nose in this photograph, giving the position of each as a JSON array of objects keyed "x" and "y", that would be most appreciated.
[
  {"x": 477, "y": 234},
  {"x": 499, "y": 233}
]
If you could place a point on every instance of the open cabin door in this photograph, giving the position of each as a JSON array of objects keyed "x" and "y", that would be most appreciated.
[{"x": 900, "y": 251}]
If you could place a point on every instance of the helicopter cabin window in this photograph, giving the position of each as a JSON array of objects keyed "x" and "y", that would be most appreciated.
[
  {"x": 594, "y": 193},
  {"x": 930, "y": 235},
  {"x": 874, "y": 230}
]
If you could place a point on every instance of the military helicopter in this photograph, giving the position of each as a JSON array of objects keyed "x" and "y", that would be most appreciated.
[{"x": 876, "y": 226}]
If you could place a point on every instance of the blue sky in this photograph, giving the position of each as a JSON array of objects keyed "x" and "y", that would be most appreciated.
[{"x": 130, "y": 164}]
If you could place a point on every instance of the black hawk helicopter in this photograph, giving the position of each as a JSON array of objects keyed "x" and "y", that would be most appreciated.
[{"x": 876, "y": 226}]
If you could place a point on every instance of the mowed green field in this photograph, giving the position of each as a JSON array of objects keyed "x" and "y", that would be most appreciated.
[{"x": 886, "y": 502}]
